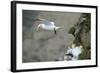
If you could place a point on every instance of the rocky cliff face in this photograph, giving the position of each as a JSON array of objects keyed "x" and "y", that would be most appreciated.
[{"x": 82, "y": 33}]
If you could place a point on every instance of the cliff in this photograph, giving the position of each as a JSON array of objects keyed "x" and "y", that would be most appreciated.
[{"x": 82, "y": 33}]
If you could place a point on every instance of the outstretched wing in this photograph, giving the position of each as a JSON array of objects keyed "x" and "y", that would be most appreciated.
[{"x": 46, "y": 22}]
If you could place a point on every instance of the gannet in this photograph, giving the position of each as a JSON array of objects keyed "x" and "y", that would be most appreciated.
[{"x": 48, "y": 25}]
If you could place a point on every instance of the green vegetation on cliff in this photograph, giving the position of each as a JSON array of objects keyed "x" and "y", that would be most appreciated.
[{"x": 81, "y": 31}]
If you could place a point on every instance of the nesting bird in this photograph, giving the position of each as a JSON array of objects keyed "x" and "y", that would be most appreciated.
[
  {"x": 48, "y": 25},
  {"x": 73, "y": 52}
]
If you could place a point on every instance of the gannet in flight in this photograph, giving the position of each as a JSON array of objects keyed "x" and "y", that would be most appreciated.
[{"x": 48, "y": 25}]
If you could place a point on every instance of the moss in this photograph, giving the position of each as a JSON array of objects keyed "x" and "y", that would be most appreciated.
[
  {"x": 86, "y": 54},
  {"x": 83, "y": 26},
  {"x": 71, "y": 30}
]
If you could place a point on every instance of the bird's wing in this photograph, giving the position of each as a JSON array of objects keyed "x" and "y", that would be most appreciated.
[
  {"x": 48, "y": 23},
  {"x": 53, "y": 23}
]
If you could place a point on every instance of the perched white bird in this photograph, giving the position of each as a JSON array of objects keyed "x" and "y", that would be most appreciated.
[
  {"x": 75, "y": 51},
  {"x": 47, "y": 25}
]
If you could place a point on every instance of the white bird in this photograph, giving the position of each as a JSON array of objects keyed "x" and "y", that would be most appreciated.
[
  {"x": 75, "y": 51},
  {"x": 47, "y": 25}
]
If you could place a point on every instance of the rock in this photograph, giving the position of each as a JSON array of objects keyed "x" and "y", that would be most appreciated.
[{"x": 82, "y": 34}]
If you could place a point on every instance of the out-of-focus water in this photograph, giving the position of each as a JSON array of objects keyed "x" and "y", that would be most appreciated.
[{"x": 45, "y": 45}]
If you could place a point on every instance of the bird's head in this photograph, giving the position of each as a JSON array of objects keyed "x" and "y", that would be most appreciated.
[
  {"x": 73, "y": 45},
  {"x": 38, "y": 27}
]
